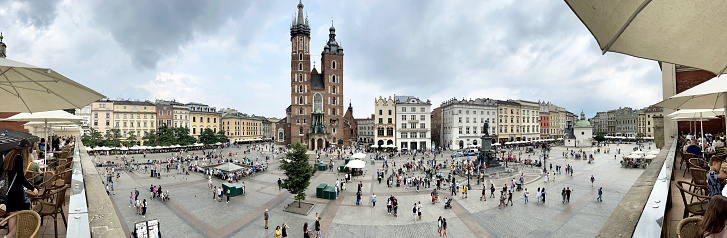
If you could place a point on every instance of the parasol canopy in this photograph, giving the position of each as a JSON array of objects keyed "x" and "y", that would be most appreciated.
[{"x": 356, "y": 164}]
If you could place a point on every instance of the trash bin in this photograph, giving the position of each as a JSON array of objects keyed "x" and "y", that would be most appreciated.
[{"x": 319, "y": 190}]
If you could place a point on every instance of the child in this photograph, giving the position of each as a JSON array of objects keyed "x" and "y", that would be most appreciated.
[{"x": 715, "y": 175}]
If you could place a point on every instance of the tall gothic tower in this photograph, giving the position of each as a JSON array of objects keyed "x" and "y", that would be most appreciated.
[
  {"x": 316, "y": 113},
  {"x": 299, "y": 74}
]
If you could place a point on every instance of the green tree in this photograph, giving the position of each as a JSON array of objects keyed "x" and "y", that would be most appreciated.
[
  {"x": 150, "y": 139},
  {"x": 221, "y": 137},
  {"x": 181, "y": 134},
  {"x": 600, "y": 137},
  {"x": 298, "y": 171},
  {"x": 208, "y": 137},
  {"x": 131, "y": 140},
  {"x": 92, "y": 138},
  {"x": 112, "y": 138}
]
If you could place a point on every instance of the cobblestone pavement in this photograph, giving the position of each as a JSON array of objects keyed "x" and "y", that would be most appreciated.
[{"x": 191, "y": 212}]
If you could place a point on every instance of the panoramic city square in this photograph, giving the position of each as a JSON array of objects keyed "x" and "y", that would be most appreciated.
[
  {"x": 192, "y": 211},
  {"x": 325, "y": 118}
]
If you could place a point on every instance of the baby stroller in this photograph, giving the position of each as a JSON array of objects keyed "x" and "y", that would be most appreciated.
[
  {"x": 519, "y": 187},
  {"x": 448, "y": 203}
]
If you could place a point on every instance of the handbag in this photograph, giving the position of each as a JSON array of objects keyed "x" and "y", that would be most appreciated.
[{"x": 5, "y": 182}]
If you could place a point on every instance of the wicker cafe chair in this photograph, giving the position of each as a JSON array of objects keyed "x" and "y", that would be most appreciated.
[
  {"x": 699, "y": 178},
  {"x": 688, "y": 227},
  {"x": 695, "y": 208},
  {"x": 53, "y": 209},
  {"x": 63, "y": 178},
  {"x": 27, "y": 223},
  {"x": 685, "y": 160}
]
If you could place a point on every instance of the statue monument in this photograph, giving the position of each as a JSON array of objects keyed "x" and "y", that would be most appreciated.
[{"x": 486, "y": 155}]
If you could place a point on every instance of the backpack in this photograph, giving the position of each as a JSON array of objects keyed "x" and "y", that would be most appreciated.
[
  {"x": 414, "y": 209},
  {"x": 5, "y": 182}
]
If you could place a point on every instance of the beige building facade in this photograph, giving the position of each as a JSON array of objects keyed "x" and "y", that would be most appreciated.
[
  {"x": 134, "y": 117},
  {"x": 508, "y": 121},
  {"x": 102, "y": 116},
  {"x": 385, "y": 117}
]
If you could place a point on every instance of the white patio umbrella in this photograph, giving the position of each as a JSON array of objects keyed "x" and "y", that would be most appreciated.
[
  {"x": 634, "y": 156},
  {"x": 28, "y": 88},
  {"x": 688, "y": 33},
  {"x": 707, "y": 95},
  {"x": 45, "y": 117},
  {"x": 358, "y": 156}
]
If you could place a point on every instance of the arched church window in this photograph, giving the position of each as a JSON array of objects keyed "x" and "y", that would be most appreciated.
[
  {"x": 317, "y": 102},
  {"x": 333, "y": 64},
  {"x": 300, "y": 100},
  {"x": 300, "y": 66},
  {"x": 300, "y": 56},
  {"x": 300, "y": 88}
]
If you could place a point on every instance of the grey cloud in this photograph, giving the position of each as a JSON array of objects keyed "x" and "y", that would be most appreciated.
[
  {"x": 150, "y": 30},
  {"x": 39, "y": 14}
]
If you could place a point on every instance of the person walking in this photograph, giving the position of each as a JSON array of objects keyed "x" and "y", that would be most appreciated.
[
  {"x": 592, "y": 180},
  {"x": 373, "y": 200},
  {"x": 131, "y": 199},
  {"x": 414, "y": 211},
  {"x": 600, "y": 192},
  {"x": 278, "y": 232},
  {"x": 306, "y": 232},
  {"x": 484, "y": 192},
  {"x": 567, "y": 194},
  {"x": 509, "y": 198},
  {"x": 538, "y": 195},
  {"x": 419, "y": 210},
  {"x": 563, "y": 195},
  {"x": 138, "y": 207},
  {"x": 214, "y": 193},
  {"x": 143, "y": 208},
  {"x": 444, "y": 227},
  {"x": 284, "y": 229},
  {"x": 492, "y": 190},
  {"x": 439, "y": 226},
  {"x": 318, "y": 226},
  {"x": 228, "y": 195},
  {"x": 265, "y": 217},
  {"x": 280, "y": 184},
  {"x": 526, "y": 194},
  {"x": 543, "y": 195},
  {"x": 464, "y": 191},
  {"x": 388, "y": 205}
]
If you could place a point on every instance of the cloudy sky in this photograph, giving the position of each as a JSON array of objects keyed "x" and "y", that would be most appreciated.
[{"x": 236, "y": 53}]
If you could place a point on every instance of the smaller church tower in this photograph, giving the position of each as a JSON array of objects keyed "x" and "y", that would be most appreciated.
[{"x": 3, "y": 47}]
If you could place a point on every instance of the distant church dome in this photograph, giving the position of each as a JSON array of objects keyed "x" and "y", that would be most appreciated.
[{"x": 583, "y": 122}]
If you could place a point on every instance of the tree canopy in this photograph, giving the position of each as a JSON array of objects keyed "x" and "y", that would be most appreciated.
[{"x": 298, "y": 171}]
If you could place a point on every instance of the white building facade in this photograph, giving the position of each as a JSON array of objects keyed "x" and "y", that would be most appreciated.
[
  {"x": 530, "y": 120},
  {"x": 85, "y": 113},
  {"x": 463, "y": 121},
  {"x": 413, "y": 123}
]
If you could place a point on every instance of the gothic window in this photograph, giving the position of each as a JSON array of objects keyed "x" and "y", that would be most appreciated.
[
  {"x": 300, "y": 56},
  {"x": 317, "y": 102},
  {"x": 333, "y": 64},
  {"x": 300, "y": 88},
  {"x": 300, "y": 100},
  {"x": 300, "y": 66}
]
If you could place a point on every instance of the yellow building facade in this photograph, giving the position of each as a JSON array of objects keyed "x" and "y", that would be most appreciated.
[
  {"x": 134, "y": 117},
  {"x": 242, "y": 128},
  {"x": 508, "y": 116},
  {"x": 202, "y": 117}
]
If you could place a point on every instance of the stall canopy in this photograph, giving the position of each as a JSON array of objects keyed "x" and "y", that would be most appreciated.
[
  {"x": 356, "y": 164},
  {"x": 358, "y": 156},
  {"x": 228, "y": 167}
]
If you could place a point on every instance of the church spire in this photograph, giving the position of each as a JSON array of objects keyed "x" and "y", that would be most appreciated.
[{"x": 300, "y": 12}]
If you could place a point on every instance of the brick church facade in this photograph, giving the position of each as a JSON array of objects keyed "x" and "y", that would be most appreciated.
[{"x": 316, "y": 115}]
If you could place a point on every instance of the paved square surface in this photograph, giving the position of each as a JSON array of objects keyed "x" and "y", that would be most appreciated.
[{"x": 192, "y": 212}]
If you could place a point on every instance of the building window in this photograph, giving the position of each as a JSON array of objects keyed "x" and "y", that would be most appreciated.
[
  {"x": 403, "y": 125},
  {"x": 380, "y": 131},
  {"x": 381, "y": 112},
  {"x": 422, "y": 125},
  {"x": 300, "y": 66},
  {"x": 333, "y": 64},
  {"x": 381, "y": 121},
  {"x": 95, "y": 122},
  {"x": 389, "y": 120},
  {"x": 389, "y": 112},
  {"x": 389, "y": 131},
  {"x": 422, "y": 118},
  {"x": 403, "y": 109},
  {"x": 95, "y": 115}
]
